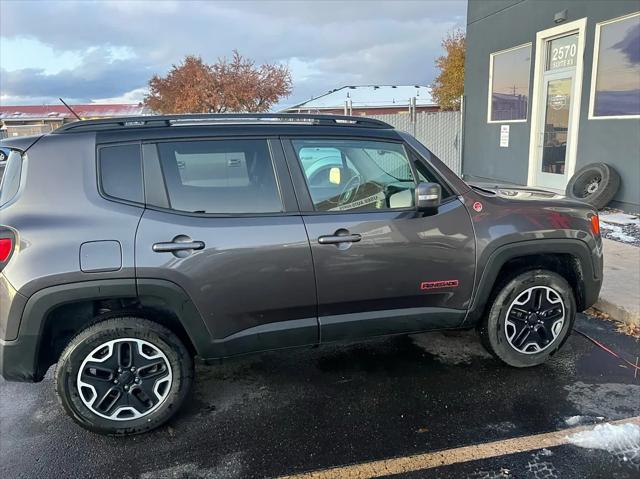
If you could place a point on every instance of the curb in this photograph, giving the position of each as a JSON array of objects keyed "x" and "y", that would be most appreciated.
[
  {"x": 620, "y": 293},
  {"x": 617, "y": 312}
]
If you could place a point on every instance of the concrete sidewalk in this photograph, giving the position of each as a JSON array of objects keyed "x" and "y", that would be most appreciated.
[{"x": 620, "y": 294}]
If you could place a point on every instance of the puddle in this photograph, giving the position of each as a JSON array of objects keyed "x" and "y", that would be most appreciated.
[
  {"x": 452, "y": 348},
  {"x": 610, "y": 400}
]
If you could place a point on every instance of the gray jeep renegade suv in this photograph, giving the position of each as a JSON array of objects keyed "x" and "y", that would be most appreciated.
[{"x": 128, "y": 247}]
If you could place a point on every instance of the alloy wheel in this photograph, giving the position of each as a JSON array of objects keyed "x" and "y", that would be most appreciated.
[
  {"x": 534, "y": 319},
  {"x": 592, "y": 186},
  {"x": 124, "y": 379}
]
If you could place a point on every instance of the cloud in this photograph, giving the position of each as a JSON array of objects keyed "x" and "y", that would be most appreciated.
[
  {"x": 327, "y": 44},
  {"x": 98, "y": 76}
]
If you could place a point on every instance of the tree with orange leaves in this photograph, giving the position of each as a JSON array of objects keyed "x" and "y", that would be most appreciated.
[
  {"x": 235, "y": 85},
  {"x": 448, "y": 86}
]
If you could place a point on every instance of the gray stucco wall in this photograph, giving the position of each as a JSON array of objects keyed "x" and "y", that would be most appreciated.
[{"x": 497, "y": 25}]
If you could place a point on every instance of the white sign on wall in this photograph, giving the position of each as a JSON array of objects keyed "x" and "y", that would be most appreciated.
[{"x": 504, "y": 136}]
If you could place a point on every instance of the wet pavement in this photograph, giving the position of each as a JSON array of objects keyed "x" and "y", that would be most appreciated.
[{"x": 290, "y": 412}]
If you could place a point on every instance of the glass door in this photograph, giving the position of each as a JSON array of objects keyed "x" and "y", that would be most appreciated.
[{"x": 556, "y": 128}]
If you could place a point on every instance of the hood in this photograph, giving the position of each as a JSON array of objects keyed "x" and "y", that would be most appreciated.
[
  {"x": 516, "y": 192},
  {"x": 526, "y": 193}
]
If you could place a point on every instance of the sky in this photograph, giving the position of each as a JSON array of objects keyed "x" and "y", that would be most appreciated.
[{"x": 106, "y": 51}]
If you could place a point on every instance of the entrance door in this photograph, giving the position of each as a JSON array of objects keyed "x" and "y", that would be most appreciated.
[
  {"x": 556, "y": 129},
  {"x": 558, "y": 101}
]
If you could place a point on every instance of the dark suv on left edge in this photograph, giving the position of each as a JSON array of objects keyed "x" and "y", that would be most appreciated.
[{"x": 130, "y": 246}]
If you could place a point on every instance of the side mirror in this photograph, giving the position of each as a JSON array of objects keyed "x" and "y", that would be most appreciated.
[{"x": 428, "y": 196}]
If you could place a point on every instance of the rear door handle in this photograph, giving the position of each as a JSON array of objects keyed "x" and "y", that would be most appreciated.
[
  {"x": 177, "y": 246},
  {"x": 337, "y": 239}
]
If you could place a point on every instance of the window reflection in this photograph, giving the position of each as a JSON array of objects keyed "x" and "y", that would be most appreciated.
[
  {"x": 510, "y": 84},
  {"x": 617, "y": 91}
]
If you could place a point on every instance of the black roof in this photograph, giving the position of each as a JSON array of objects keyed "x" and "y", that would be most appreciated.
[{"x": 142, "y": 122}]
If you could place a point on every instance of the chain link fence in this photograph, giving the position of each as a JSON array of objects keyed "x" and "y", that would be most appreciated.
[{"x": 439, "y": 131}]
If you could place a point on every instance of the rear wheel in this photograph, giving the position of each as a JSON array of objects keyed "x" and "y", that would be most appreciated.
[
  {"x": 123, "y": 376},
  {"x": 530, "y": 317}
]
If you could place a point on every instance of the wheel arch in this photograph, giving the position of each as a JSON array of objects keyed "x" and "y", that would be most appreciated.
[
  {"x": 571, "y": 258},
  {"x": 52, "y": 316}
]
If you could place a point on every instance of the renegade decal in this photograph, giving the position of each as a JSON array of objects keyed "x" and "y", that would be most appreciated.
[{"x": 450, "y": 283}]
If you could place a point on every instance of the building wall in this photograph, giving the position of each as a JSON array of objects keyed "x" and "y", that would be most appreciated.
[{"x": 498, "y": 25}]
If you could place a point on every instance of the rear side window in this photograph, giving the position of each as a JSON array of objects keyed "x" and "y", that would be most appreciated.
[
  {"x": 220, "y": 176},
  {"x": 121, "y": 172},
  {"x": 10, "y": 182}
]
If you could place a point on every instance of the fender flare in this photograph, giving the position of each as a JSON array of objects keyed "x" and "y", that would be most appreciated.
[
  {"x": 590, "y": 279},
  {"x": 20, "y": 358}
]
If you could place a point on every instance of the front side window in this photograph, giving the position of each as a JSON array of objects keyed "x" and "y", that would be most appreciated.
[
  {"x": 220, "y": 176},
  {"x": 617, "y": 69},
  {"x": 509, "y": 84},
  {"x": 363, "y": 175}
]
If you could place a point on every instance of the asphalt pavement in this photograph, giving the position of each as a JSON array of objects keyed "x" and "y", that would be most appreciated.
[{"x": 347, "y": 406}]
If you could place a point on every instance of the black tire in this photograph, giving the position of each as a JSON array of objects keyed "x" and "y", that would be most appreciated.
[
  {"x": 3, "y": 156},
  {"x": 493, "y": 331},
  {"x": 595, "y": 184},
  {"x": 176, "y": 355}
]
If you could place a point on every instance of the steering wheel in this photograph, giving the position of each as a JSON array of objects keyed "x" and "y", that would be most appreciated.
[{"x": 350, "y": 190}]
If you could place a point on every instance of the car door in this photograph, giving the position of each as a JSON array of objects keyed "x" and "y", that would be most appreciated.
[
  {"x": 381, "y": 266},
  {"x": 222, "y": 223}
]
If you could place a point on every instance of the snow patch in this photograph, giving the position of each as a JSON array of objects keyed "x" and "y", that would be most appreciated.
[
  {"x": 616, "y": 232},
  {"x": 575, "y": 420},
  {"x": 623, "y": 441}
]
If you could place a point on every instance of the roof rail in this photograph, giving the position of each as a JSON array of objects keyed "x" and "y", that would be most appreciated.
[{"x": 154, "y": 121}]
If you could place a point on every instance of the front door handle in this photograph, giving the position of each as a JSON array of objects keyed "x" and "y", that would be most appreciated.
[
  {"x": 337, "y": 239},
  {"x": 174, "y": 246}
]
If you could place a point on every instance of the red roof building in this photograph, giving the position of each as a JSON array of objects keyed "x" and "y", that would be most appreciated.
[{"x": 19, "y": 120}]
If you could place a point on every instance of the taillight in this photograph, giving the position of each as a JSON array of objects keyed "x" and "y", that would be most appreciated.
[
  {"x": 6, "y": 247},
  {"x": 595, "y": 225}
]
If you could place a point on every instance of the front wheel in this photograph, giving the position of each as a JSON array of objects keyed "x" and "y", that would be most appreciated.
[
  {"x": 529, "y": 318},
  {"x": 123, "y": 376}
]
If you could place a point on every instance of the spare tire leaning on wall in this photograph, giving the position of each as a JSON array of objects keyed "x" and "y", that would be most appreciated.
[{"x": 595, "y": 184}]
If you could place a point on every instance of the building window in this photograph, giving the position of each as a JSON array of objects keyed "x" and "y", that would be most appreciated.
[
  {"x": 509, "y": 84},
  {"x": 615, "y": 89}
]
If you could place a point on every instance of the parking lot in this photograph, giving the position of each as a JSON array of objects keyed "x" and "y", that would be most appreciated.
[{"x": 361, "y": 408}]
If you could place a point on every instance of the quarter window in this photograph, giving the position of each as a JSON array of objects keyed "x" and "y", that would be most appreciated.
[
  {"x": 10, "y": 180},
  {"x": 509, "y": 84},
  {"x": 617, "y": 70},
  {"x": 221, "y": 176},
  {"x": 121, "y": 172},
  {"x": 365, "y": 175}
]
